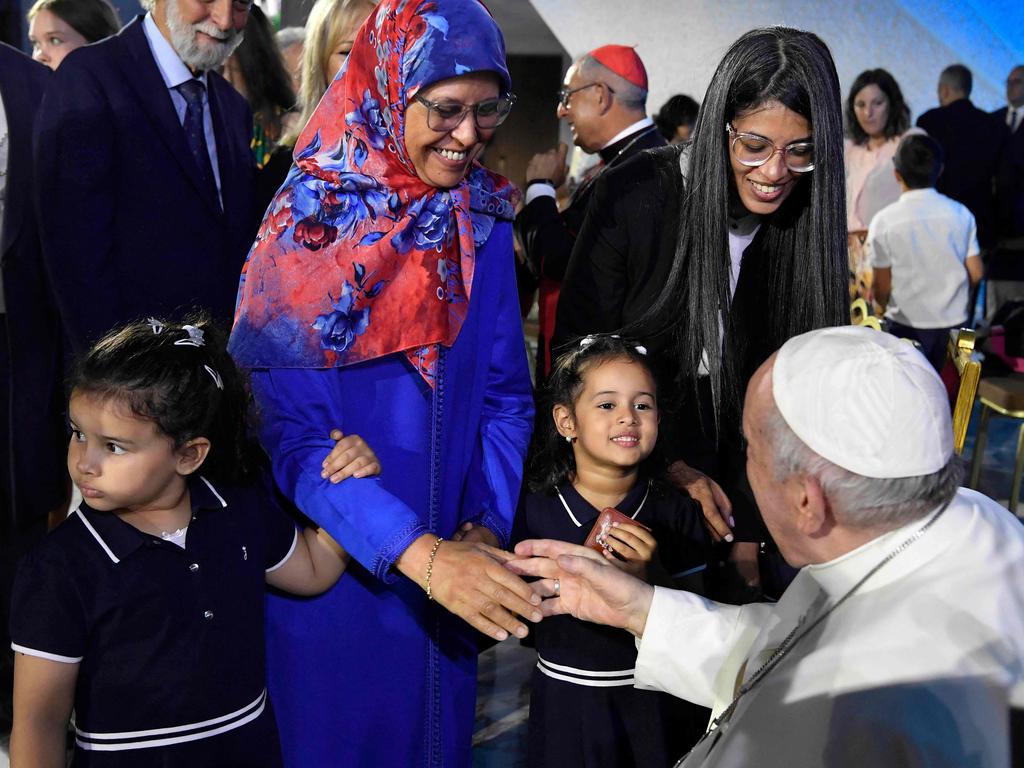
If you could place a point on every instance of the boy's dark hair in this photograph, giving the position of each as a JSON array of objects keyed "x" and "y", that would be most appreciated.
[
  {"x": 180, "y": 377},
  {"x": 551, "y": 460},
  {"x": 919, "y": 160}
]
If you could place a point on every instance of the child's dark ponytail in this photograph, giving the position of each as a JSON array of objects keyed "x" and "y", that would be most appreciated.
[
  {"x": 551, "y": 460},
  {"x": 179, "y": 376}
]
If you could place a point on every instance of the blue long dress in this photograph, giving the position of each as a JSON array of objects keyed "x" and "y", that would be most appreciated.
[{"x": 371, "y": 673}]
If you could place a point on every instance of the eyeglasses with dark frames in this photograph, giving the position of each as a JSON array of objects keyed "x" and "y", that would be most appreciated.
[
  {"x": 564, "y": 94},
  {"x": 754, "y": 151},
  {"x": 448, "y": 115}
]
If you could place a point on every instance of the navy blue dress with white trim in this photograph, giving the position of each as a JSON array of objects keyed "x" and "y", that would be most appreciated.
[
  {"x": 168, "y": 639},
  {"x": 584, "y": 710}
]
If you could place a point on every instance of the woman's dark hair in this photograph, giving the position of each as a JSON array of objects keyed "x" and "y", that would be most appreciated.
[
  {"x": 267, "y": 82},
  {"x": 551, "y": 460},
  {"x": 898, "y": 120},
  {"x": 180, "y": 377},
  {"x": 803, "y": 244},
  {"x": 678, "y": 110},
  {"x": 92, "y": 19}
]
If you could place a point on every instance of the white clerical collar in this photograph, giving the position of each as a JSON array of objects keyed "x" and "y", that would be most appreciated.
[
  {"x": 172, "y": 68},
  {"x": 639, "y": 125},
  {"x": 836, "y": 577}
]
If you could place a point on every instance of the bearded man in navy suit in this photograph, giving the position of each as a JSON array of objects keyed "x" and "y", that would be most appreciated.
[{"x": 145, "y": 176}]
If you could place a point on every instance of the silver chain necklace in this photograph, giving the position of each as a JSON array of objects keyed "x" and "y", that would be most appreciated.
[{"x": 720, "y": 724}]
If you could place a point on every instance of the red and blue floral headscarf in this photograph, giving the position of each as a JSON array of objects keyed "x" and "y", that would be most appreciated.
[{"x": 357, "y": 257}]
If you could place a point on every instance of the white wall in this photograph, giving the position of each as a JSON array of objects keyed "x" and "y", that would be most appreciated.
[{"x": 681, "y": 41}]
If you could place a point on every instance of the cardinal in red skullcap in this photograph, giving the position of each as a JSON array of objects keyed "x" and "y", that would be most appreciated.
[{"x": 604, "y": 100}]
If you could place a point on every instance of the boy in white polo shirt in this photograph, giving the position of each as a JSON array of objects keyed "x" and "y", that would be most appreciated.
[{"x": 924, "y": 252}]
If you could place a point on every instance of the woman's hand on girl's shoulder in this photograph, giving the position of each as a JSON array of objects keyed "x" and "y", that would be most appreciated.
[
  {"x": 631, "y": 547},
  {"x": 350, "y": 457},
  {"x": 714, "y": 503}
]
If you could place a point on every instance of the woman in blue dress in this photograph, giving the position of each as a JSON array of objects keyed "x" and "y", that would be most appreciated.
[{"x": 380, "y": 297}]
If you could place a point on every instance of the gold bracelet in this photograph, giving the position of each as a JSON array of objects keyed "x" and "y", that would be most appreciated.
[{"x": 430, "y": 565}]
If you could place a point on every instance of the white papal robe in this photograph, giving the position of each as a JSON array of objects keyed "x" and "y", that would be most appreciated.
[{"x": 920, "y": 667}]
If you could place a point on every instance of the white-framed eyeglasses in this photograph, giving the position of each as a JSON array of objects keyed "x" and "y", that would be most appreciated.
[{"x": 753, "y": 151}]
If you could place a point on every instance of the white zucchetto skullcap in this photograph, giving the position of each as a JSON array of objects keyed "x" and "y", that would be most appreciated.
[{"x": 865, "y": 401}]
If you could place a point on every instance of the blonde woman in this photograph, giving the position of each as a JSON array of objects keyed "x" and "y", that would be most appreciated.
[{"x": 330, "y": 29}]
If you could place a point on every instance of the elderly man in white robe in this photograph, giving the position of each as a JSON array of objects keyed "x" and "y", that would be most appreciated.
[{"x": 900, "y": 642}]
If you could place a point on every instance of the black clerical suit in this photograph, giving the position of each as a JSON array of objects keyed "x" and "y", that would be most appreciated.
[{"x": 548, "y": 235}]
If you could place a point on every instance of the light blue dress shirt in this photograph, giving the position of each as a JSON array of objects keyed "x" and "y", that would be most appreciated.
[{"x": 174, "y": 72}]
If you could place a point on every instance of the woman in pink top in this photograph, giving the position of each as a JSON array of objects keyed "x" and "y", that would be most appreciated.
[{"x": 876, "y": 118}]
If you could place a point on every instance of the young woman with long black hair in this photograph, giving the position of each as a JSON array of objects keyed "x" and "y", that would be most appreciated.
[{"x": 718, "y": 250}]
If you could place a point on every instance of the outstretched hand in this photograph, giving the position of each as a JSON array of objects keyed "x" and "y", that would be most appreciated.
[
  {"x": 580, "y": 582},
  {"x": 469, "y": 579}
]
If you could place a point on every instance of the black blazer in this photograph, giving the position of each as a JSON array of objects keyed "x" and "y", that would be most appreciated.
[
  {"x": 129, "y": 229},
  {"x": 1010, "y": 182},
  {"x": 547, "y": 234},
  {"x": 37, "y": 440},
  {"x": 972, "y": 141}
]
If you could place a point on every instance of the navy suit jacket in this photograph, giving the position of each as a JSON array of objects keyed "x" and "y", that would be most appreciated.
[
  {"x": 1010, "y": 182},
  {"x": 37, "y": 440},
  {"x": 129, "y": 229},
  {"x": 972, "y": 141}
]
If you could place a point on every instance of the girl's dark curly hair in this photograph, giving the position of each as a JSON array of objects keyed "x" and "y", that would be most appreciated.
[
  {"x": 188, "y": 390},
  {"x": 551, "y": 460}
]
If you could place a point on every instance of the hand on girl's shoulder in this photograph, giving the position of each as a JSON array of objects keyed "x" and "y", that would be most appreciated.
[{"x": 350, "y": 457}]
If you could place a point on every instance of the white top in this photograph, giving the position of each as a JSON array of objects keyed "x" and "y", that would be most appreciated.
[
  {"x": 936, "y": 634},
  {"x": 174, "y": 72},
  {"x": 925, "y": 237}
]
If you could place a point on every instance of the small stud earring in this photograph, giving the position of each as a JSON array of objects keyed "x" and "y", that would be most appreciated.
[{"x": 568, "y": 438}]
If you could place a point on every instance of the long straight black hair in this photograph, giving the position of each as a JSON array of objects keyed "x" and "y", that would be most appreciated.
[{"x": 804, "y": 242}]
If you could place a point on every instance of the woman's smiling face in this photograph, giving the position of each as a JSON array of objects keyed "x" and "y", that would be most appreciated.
[
  {"x": 763, "y": 189},
  {"x": 442, "y": 158}
]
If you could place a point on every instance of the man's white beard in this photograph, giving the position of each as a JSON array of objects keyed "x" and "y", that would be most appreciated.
[{"x": 196, "y": 55}]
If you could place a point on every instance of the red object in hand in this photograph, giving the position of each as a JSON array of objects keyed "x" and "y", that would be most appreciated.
[{"x": 597, "y": 536}]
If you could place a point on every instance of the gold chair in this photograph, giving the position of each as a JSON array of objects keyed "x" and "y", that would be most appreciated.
[
  {"x": 860, "y": 314},
  {"x": 960, "y": 347},
  {"x": 1003, "y": 396}
]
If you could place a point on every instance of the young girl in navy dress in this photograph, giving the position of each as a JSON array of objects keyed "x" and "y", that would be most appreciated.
[
  {"x": 596, "y": 450},
  {"x": 143, "y": 611}
]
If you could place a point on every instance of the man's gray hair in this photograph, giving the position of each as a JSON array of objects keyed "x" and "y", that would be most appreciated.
[
  {"x": 856, "y": 500},
  {"x": 629, "y": 95},
  {"x": 290, "y": 36}
]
